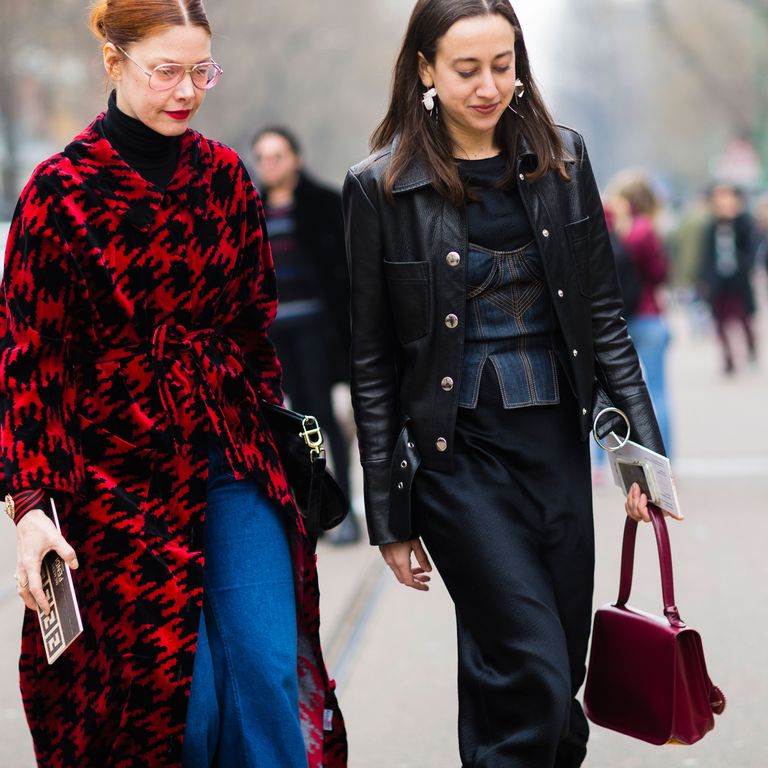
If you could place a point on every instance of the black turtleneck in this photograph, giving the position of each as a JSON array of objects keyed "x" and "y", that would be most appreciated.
[{"x": 152, "y": 155}]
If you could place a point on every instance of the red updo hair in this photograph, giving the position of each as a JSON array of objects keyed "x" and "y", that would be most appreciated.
[{"x": 124, "y": 22}]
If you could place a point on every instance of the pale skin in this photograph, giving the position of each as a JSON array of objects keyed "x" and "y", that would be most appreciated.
[
  {"x": 474, "y": 76},
  {"x": 36, "y": 534},
  {"x": 278, "y": 167}
]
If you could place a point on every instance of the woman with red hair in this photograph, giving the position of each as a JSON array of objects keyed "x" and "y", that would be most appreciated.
[{"x": 138, "y": 291}]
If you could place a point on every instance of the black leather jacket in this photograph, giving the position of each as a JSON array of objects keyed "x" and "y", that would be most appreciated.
[{"x": 407, "y": 268}]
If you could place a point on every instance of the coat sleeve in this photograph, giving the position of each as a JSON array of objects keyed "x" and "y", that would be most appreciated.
[
  {"x": 39, "y": 435},
  {"x": 374, "y": 381},
  {"x": 617, "y": 364},
  {"x": 250, "y": 328}
]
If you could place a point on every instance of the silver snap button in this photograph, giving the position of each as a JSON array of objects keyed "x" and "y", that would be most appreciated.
[
  {"x": 411, "y": 445},
  {"x": 453, "y": 259},
  {"x": 583, "y": 411},
  {"x": 447, "y": 383},
  {"x": 561, "y": 293},
  {"x": 441, "y": 444},
  {"x": 522, "y": 177},
  {"x": 451, "y": 321},
  {"x": 404, "y": 464},
  {"x": 575, "y": 352},
  {"x": 545, "y": 232},
  {"x": 400, "y": 486}
]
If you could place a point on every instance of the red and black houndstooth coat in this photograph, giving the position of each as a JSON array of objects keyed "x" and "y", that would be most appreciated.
[{"x": 135, "y": 324}]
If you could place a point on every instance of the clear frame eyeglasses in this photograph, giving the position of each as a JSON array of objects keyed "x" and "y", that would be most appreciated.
[{"x": 166, "y": 76}]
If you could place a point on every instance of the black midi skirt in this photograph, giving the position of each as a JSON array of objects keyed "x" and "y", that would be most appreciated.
[{"x": 511, "y": 533}]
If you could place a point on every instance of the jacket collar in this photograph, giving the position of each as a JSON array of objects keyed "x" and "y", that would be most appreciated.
[
  {"x": 125, "y": 192},
  {"x": 417, "y": 175}
]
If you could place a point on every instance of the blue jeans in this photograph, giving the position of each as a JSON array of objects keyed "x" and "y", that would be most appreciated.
[
  {"x": 243, "y": 707},
  {"x": 651, "y": 336}
]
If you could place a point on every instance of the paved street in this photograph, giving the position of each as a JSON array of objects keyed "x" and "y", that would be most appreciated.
[{"x": 393, "y": 650}]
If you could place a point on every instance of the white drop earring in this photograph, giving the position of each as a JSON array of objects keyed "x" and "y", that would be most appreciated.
[
  {"x": 428, "y": 99},
  {"x": 519, "y": 93}
]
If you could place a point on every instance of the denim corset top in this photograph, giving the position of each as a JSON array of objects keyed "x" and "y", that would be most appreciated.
[{"x": 510, "y": 324}]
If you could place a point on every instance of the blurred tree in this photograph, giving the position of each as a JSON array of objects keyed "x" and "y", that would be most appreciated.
[
  {"x": 665, "y": 83},
  {"x": 44, "y": 44},
  {"x": 10, "y": 14},
  {"x": 321, "y": 68},
  {"x": 724, "y": 48}
]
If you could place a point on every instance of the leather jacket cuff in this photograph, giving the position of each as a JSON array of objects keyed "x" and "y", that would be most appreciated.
[{"x": 376, "y": 477}]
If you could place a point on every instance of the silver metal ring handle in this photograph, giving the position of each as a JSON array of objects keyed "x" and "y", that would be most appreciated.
[{"x": 594, "y": 429}]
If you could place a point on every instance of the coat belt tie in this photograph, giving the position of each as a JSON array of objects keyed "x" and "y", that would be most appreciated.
[{"x": 186, "y": 357}]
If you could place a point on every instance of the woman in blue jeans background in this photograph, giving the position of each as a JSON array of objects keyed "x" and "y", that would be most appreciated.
[{"x": 633, "y": 207}]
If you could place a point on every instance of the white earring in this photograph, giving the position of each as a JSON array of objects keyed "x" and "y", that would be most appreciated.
[
  {"x": 428, "y": 99},
  {"x": 519, "y": 93}
]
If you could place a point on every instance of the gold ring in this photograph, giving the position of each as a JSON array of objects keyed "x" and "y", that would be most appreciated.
[{"x": 18, "y": 582}]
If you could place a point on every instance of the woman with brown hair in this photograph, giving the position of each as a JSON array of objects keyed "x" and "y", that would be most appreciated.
[
  {"x": 486, "y": 320},
  {"x": 138, "y": 290},
  {"x": 635, "y": 206}
]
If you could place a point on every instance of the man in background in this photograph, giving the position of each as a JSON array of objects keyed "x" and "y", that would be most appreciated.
[{"x": 728, "y": 257}]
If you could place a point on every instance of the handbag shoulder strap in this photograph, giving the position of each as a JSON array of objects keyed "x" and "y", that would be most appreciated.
[{"x": 665, "y": 563}]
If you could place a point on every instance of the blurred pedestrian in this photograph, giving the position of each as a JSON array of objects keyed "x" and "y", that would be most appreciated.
[
  {"x": 635, "y": 206},
  {"x": 138, "y": 291},
  {"x": 729, "y": 248},
  {"x": 685, "y": 249},
  {"x": 484, "y": 305},
  {"x": 761, "y": 223},
  {"x": 311, "y": 330}
]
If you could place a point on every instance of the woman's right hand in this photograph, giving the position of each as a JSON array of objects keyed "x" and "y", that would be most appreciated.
[
  {"x": 398, "y": 557},
  {"x": 36, "y": 536}
]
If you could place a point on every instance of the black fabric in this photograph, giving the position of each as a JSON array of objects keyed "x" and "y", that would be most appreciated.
[
  {"x": 301, "y": 349},
  {"x": 317, "y": 493},
  {"x": 320, "y": 232},
  {"x": 154, "y": 156},
  {"x": 629, "y": 280},
  {"x": 511, "y": 533},
  {"x": 496, "y": 219},
  {"x": 738, "y": 284},
  {"x": 296, "y": 265}
]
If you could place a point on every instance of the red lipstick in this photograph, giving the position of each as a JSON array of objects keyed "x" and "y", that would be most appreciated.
[{"x": 182, "y": 114}]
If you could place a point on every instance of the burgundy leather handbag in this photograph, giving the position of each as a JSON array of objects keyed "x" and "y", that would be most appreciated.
[{"x": 647, "y": 677}]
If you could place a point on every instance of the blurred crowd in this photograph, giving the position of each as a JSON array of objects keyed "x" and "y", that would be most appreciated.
[{"x": 703, "y": 255}]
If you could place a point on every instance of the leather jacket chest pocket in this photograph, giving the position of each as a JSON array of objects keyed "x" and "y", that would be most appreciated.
[
  {"x": 578, "y": 239},
  {"x": 410, "y": 296}
]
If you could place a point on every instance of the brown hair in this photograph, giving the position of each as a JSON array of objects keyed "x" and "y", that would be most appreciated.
[
  {"x": 420, "y": 135},
  {"x": 636, "y": 188},
  {"x": 124, "y": 22}
]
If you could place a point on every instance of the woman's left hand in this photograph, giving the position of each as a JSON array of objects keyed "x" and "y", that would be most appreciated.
[{"x": 637, "y": 506}]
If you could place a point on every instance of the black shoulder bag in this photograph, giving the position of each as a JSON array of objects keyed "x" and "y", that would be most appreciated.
[{"x": 299, "y": 442}]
